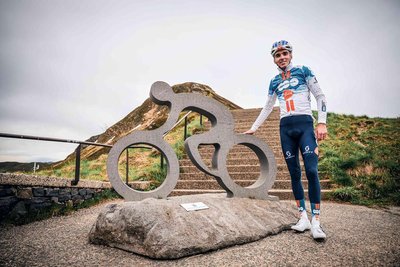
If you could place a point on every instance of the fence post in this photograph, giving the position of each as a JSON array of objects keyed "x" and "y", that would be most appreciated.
[
  {"x": 127, "y": 166},
  {"x": 201, "y": 119},
  {"x": 77, "y": 165},
  {"x": 162, "y": 160},
  {"x": 185, "y": 130}
]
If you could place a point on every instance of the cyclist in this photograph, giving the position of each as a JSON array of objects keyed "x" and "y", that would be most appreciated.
[{"x": 292, "y": 87}]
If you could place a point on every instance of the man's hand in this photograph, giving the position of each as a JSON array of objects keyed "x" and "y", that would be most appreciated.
[
  {"x": 251, "y": 132},
  {"x": 320, "y": 131}
]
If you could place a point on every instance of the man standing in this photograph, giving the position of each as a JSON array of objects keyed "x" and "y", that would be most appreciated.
[{"x": 292, "y": 87}]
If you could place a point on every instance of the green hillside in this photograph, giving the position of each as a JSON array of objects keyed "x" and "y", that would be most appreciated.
[{"x": 361, "y": 156}]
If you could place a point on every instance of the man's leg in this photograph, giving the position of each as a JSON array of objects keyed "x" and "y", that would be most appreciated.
[
  {"x": 309, "y": 151},
  {"x": 290, "y": 149}
]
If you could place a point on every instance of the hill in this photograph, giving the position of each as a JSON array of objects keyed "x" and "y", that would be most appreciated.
[
  {"x": 21, "y": 167},
  {"x": 147, "y": 116}
]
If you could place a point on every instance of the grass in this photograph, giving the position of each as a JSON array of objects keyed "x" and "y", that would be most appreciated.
[
  {"x": 89, "y": 169},
  {"x": 361, "y": 156}
]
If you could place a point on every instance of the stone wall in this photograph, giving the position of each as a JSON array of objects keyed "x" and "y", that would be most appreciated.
[{"x": 23, "y": 195}]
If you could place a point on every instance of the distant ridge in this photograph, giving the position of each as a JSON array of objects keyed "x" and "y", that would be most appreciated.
[{"x": 11, "y": 166}]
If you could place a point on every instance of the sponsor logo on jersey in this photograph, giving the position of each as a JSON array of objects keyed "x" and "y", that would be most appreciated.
[
  {"x": 323, "y": 107},
  {"x": 287, "y": 94},
  {"x": 286, "y": 83}
]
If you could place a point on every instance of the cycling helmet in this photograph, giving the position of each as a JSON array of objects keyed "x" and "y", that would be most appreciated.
[{"x": 282, "y": 44}]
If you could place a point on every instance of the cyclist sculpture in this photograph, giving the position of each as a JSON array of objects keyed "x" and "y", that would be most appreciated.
[{"x": 221, "y": 136}]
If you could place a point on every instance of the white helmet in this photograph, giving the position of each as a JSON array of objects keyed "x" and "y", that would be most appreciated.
[{"x": 280, "y": 45}]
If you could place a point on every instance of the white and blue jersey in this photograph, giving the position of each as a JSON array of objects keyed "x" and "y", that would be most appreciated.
[{"x": 292, "y": 88}]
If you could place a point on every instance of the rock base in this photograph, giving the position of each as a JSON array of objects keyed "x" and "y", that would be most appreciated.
[{"x": 162, "y": 229}]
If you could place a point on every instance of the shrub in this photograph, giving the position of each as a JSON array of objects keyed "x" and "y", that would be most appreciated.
[
  {"x": 179, "y": 148},
  {"x": 347, "y": 193},
  {"x": 340, "y": 177}
]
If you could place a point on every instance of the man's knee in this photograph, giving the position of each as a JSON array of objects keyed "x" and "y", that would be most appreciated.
[
  {"x": 312, "y": 174},
  {"x": 311, "y": 166},
  {"x": 293, "y": 165}
]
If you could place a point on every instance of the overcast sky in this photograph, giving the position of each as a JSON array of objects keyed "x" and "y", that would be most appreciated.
[{"x": 71, "y": 69}]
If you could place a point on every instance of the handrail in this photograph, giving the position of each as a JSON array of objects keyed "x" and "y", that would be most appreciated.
[
  {"x": 77, "y": 151},
  {"x": 39, "y": 138},
  {"x": 177, "y": 123},
  {"x": 51, "y": 139}
]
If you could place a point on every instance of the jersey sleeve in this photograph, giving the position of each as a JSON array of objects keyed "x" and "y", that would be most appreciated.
[
  {"x": 308, "y": 73},
  {"x": 315, "y": 89},
  {"x": 269, "y": 105}
]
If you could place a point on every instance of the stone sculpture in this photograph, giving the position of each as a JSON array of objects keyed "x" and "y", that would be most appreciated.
[{"x": 221, "y": 136}]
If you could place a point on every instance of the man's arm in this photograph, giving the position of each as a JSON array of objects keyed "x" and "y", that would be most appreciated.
[
  {"x": 321, "y": 130},
  {"x": 269, "y": 105}
]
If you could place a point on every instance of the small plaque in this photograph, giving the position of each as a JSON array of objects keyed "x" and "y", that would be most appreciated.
[{"x": 194, "y": 206}]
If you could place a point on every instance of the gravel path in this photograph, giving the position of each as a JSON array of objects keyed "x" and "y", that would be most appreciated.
[{"x": 357, "y": 236}]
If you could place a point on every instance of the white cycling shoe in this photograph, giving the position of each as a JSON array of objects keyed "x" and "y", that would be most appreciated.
[
  {"x": 316, "y": 230},
  {"x": 303, "y": 224}
]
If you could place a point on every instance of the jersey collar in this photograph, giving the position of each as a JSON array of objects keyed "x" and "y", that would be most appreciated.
[{"x": 289, "y": 67}]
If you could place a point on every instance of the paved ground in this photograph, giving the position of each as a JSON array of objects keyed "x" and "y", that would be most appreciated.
[{"x": 357, "y": 236}]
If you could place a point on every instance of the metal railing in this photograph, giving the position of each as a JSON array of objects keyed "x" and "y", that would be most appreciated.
[
  {"x": 77, "y": 150},
  {"x": 80, "y": 143}
]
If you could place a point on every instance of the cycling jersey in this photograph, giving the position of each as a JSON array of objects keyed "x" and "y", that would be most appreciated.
[{"x": 292, "y": 88}]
